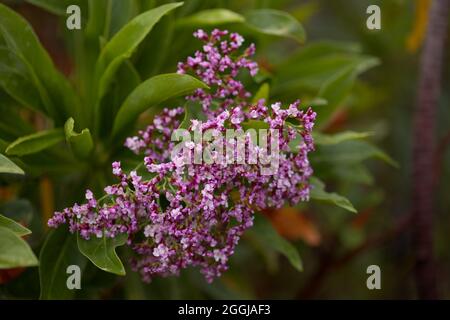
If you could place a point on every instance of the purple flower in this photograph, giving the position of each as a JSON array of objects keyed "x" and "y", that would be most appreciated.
[{"x": 207, "y": 206}]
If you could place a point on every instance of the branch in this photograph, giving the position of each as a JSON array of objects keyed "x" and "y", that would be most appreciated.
[{"x": 424, "y": 148}]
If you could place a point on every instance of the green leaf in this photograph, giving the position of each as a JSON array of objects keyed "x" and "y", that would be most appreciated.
[
  {"x": 262, "y": 93},
  {"x": 329, "y": 139},
  {"x": 20, "y": 38},
  {"x": 265, "y": 232},
  {"x": 57, "y": 254},
  {"x": 335, "y": 89},
  {"x": 7, "y": 166},
  {"x": 211, "y": 17},
  {"x": 35, "y": 142},
  {"x": 17, "y": 80},
  {"x": 97, "y": 23},
  {"x": 150, "y": 93},
  {"x": 15, "y": 227},
  {"x": 12, "y": 125},
  {"x": 80, "y": 143},
  {"x": 276, "y": 23},
  {"x": 102, "y": 252},
  {"x": 318, "y": 193},
  {"x": 150, "y": 61},
  {"x": 313, "y": 65},
  {"x": 121, "y": 13},
  {"x": 14, "y": 251},
  {"x": 121, "y": 47},
  {"x": 351, "y": 151}
]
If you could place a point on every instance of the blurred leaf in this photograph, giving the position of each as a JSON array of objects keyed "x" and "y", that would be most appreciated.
[
  {"x": 211, "y": 17},
  {"x": 102, "y": 252},
  {"x": 305, "y": 11},
  {"x": 121, "y": 13},
  {"x": 309, "y": 68},
  {"x": 126, "y": 80},
  {"x": 328, "y": 139},
  {"x": 7, "y": 166},
  {"x": 262, "y": 93},
  {"x": 35, "y": 142},
  {"x": 58, "y": 252},
  {"x": 356, "y": 173},
  {"x": 15, "y": 227},
  {"x": 318, "y": 193},
  {"x": 80, "y": 143},
  {"x": 335, "y": 89},
  {"x": 150, "y": 61},
  {"x": 294, "y": 225},
  {"x": 18, "y": 82},
  {"x": 350, "y": 151},
  {"x": 264, "y": 230},
  {"x": 12, "y": 125},
  {"x": 121, "y": 47},
  {"x": 14, "y": 251},
  {"x": 276, "y": 23},
  {"x": 21, "y": 39},
  {"x": 150, "y": 93},
  {"x": 99, "y": 14}
]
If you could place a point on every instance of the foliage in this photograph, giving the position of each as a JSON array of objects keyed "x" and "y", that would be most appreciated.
[{"x": 69, "y": 128}]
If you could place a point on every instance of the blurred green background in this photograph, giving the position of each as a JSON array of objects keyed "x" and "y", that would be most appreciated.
[{"x": 336, "y": 246}]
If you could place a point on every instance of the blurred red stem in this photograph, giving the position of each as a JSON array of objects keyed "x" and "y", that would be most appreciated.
[{"x": 424, "y": 149}]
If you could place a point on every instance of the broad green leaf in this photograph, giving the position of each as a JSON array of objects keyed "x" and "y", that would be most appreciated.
[
  {"x": 14, "y": 251},
  {"x": 121, "y": 47},
  {"x": 276, "y": 23},
  {"x": 126, "y": 80},
  {"x": 262, "y": 93},
  {"x": 191, "y": 111},
  {"x": 313, "y": 65},
  {"x": 57, "y": 254},
  {"x": 150, "y": 93},
  {"x": 318, "y": 193},
  {"x": 12, "y": 125},
  {"x": 335, "y": 89},
  {"x": 17, "y": 80},
  {"x": 211, "y": 17},
  {"x": 102, "y": 252},
  {"x": 329, "y": 139},
  {"x": 80, "y": 143},
  {"x": 351, "y": 151},
  {"x": 353, "y": 172},
  {"x": 264, "y": 230},
  {"x": 121, "y": 13},
  {"x": 35, "y": 142},
  {"x": 99, "y": 14},
  {"x": 7, "y": 166},
  {"x": 20, "y": 38},
  {"x": 15, "y": 227},
  {"x": 150, "y": 61}
]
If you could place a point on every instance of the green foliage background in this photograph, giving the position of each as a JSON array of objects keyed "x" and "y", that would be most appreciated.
[{"x": 64, "y": 116}]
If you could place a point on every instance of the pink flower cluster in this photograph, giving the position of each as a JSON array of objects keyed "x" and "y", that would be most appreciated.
[
  {"x": 218, "y": 65},
  {"x": 190, "y": 214}
]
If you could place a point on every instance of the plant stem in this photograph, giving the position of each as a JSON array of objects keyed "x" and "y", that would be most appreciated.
[{"x": 424, "y": 148}]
